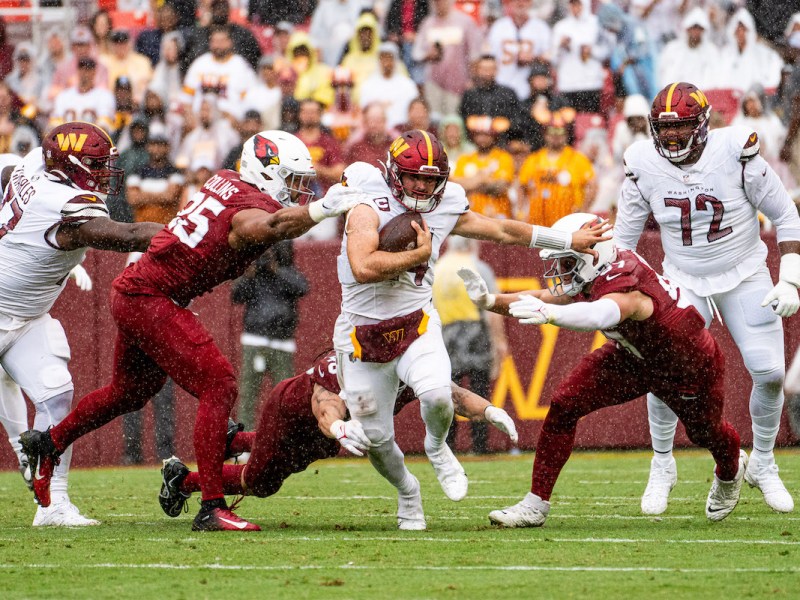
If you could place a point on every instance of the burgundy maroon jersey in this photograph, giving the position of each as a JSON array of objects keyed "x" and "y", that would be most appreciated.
[
  {"x": 675, "y": 331},
  {"x": 191, "y": 256}
]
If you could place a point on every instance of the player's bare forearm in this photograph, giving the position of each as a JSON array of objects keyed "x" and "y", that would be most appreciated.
[
  {"x": 382, "y": 266},
  {"x": 105, "y": 234},
  {"x": 327, "y": 408},
  {"x": 258, "y": 227},
  {"x": 468, "y": 404},
  {"x": 505, "y": 231}
]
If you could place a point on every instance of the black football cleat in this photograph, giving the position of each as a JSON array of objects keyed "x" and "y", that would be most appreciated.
[
  {"x": 171, "y": 498},
  {"x": 233, "y": 429},
  {"x": 42, "y": 458}
]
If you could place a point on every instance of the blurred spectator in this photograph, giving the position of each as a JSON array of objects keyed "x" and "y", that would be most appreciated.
[
  {"x": 132, "y": 158},
  {"x": 66, "y": 75},
  {"x": 100, "y": 26},
  {"x": 487, "y": 97},
  {"x": 402, "y": 23},
  {"x": 691, "y": 57},
  {"x": 24, "y": 80},
  {"x": 534, "y": 112},
  {"x": 745, "y": 61},
  {"x": 393, "y": 89},
  {"x": 448, "y": 41},
  {"x": 167, "y": 80},
  {"x": 632, "y": 53},
  {"x": 52, "y": 57},
  {"x": 578, "y": 57},
  {"x": 487, "y": 173},
  {"x": 790, "y": 97},
  {"x": 269, "y": 290},
  {"x": 266, "y": 95},
  {"x": 171, "y": 121},
  {"x": 149, "y": 42},
  {"x": 219, "y": 72},
  {"x": 198, "y": 38},
  {"x": 186, "y": 11},
  {"x": 210, "y": 140},
  {"x": 197, "y": 174},
  {"x": 24, "y": 139},
  {"x": 290, "y": 115},
  {"x": 453, "y": 137},
  {"x": 343, "y": 117},
  {"x": 6, "y": 51},
  {"x": 124, "y": 107},
  {"x": 332, "y": 26},
  {"x": 661, "y": 18},
  {"x": 516, "y": 41},
  {"x": 609, "y": 174},
  {"x": 326, "y": 153},
  {"x": 519, "y": 149},
  {"x": 280, "y": 38},
  {"x": 270, "y": 12},
  {"x": 9, "y": 117},
  {"x": 86, "y": 101},
  {"x": 419, "y": 117},
  {"x": 372, "y": 145},
  {"x": 633, "y": 128},
  {"x": 250, "y": 125},
  {"x": 556, "y": 180},
  {"x": 771, "y": 17},
  {"x": 475, "y": 340},
  {"x": 124, "y": 62},
  {"x": 362, "y": 51},
  {"x": 313, "y": 77},
  {"x": 154, "y": 190}
]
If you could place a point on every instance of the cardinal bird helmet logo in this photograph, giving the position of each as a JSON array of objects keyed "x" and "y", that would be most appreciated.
[{"x": 266, "y": 151}]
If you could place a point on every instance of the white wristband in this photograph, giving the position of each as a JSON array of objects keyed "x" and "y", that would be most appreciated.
[
  {"x": 545, "y": 237},
  {"x": 315, "y": 211},
  {"x": 790, "y": 269},
  {"x": 336, "y": 428}
]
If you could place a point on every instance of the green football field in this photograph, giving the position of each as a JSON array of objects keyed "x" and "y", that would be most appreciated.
[{"x": 330, "y": 533}]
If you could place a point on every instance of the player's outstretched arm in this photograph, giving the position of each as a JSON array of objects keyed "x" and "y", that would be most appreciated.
[
  {"x": 370, "y": 265},
  {"x": 478, "y": 292},
  {"x": 475, "y": 408},
  {"x": 104, "y": 234},
  {"x": 330, "y": 412},
  {"x": 605, "y": 313}
]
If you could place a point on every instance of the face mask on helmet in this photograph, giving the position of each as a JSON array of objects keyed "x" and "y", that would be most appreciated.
[
  {"x": 679, "y": 121},
  {"x": 278, "y": 164},
  {"x": 417, "y": 170},
  {"x": 563, "y": 273}
]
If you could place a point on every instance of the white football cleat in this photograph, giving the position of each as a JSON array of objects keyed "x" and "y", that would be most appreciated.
[
  {"x": 410, "y": 516},
  {"x": 449, "y": 472},
  {"x": 724, "y": 495},
  {"x": 531, "y": 511},
  {"x": 61, "y": 514},
  {"x": 662, "y": 479},
  {"x": 763, "y": 474}
]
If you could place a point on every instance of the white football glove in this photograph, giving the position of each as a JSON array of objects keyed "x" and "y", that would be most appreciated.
[
  {"x": 350, "y": 434},
  {"x": 500, "y": 419},
  {"x": 529, "y": 311},
  {"x": 785, "y": 294},
  {"x": 337, "y": 201},
  {"x": 81, "y": 277},
  {"x": 477, "y": 290}
]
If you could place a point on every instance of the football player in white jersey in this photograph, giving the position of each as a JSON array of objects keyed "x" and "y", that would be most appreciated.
[
  {"x": 705, "y": 190},
  {"x": 388, "y": 329},
  {"x": 53, "y": 209}
]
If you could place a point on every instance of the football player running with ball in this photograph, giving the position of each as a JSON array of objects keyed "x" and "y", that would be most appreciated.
[
  {"x": 388, "y": 330},
  {"x": 705, "y": 190},
  {"x": 225, "y": 227},
  {"x": 657, "y": 343}
]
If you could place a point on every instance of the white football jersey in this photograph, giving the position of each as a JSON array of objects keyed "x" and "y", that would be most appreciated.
[
  {"x": 708, "y": 212},
  {"x": 229, "y": 80},
  {"x": 506, "y": 42},
  {"x": 411, "y": 290},
  {"x": 33, "y": 270},
  {"x": 95, "y": 106}
]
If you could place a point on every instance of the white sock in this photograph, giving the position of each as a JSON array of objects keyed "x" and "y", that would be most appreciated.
[
  {"x": 13, "y": 412},
  {"x": 766, "y": 404},
  {"x": 388, "y": 461},
  {"x": 436, "y": 408},
  {"x": 663, "y": 423},
  {"x": 533, "y": 501},
  {"x": 48, "y": 413}
]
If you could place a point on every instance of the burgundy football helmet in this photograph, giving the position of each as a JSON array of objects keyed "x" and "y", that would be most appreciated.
[
  {"x": 679, "y": 120},
  {"x": 83, "y": 155},
  {"x": 417, "y": 153}
]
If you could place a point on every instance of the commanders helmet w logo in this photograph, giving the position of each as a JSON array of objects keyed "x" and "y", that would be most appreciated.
[{"x": 266, "y": 151}]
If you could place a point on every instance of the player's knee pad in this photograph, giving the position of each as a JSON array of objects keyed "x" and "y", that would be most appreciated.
[
  {"x": 438, "y": 399},
  {"x": 766, "y": 368},
  {"x": 52, "y": 411},
  {"x": 378, "y": 434}
]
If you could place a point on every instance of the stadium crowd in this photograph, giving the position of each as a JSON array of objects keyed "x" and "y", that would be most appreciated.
[{"x": 534, "y": 100}]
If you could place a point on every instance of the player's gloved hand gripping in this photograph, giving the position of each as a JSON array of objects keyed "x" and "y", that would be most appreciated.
[
  {"x": 337, "y": 201},
  {"x": 477, "y": 290},
  {"x": 350, "y": 434},
  {"x": 784, "y": 295},
  {"x": 500, "y": 419},
  {"x": 81, "y": 277}
]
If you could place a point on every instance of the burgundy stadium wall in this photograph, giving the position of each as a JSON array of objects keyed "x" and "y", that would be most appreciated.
[{"x": 540, "y": 356}]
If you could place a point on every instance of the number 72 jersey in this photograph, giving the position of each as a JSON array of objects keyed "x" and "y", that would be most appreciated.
[
  {"x": 707, "y": 212},
  {"x": 191, "y": 256}
]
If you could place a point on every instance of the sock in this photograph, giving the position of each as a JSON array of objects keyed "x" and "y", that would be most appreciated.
[
  {"x": 552, "y": 452},
  {"x": 663, "y": 459},
  {"x": 231, "y": 481},
  {"x": 210, "y": 434},
  {"x": 388, "y": 461},
  {"x": 48, "y": 413},
  {"x": 436, "y": 408},
  {"x": 13, "y": 412},
  {"x": 766, "y": 404},
  {"x": 663, "y": 423},
  {"x": 724, "y": 447},
  {"x": 208, "y": 505}
]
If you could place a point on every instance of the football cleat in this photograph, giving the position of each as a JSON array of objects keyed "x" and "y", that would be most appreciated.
[
  {"x": 763, "y": 474},
  {"x": 25, "y": 471},
  {"x": 42, "y": 460},
  {"x": 449, "y": 472},
  {"x": 724, "y": 495},
  {"x": 662, "y": 479},
  {"x": 221, "y": 519},
  {"x": 171, "y": 498},
  {"x": 531, "y": 511},
  {"x": 61, "y": 514},
  {"x": 233, "y": 429},
  {"x": 410, "y": 516}
]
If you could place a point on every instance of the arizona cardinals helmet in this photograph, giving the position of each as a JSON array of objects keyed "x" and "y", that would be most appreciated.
[
  {"x": 83, "y": 155},
  {"x": 679, "y": 120},
  {"x": 567, "y": 271},
  {"x": 278, "y": 163},
  {"x": 420, "y": 154}
]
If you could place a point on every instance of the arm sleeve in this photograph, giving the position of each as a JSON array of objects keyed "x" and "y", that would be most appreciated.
[
  {"x": 632, "y": 213},
  {"x": 765, "y": 191},
  {"x": 586, "y": 316}
]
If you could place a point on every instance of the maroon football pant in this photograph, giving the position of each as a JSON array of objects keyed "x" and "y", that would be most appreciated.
[
  {"x": 610, "y": 376},
  {"x": 286, "y": 441},
  {"x": 157, "y": 338}
]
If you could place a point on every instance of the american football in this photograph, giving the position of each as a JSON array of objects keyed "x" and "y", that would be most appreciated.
[{"x": 398, "y": 234}]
